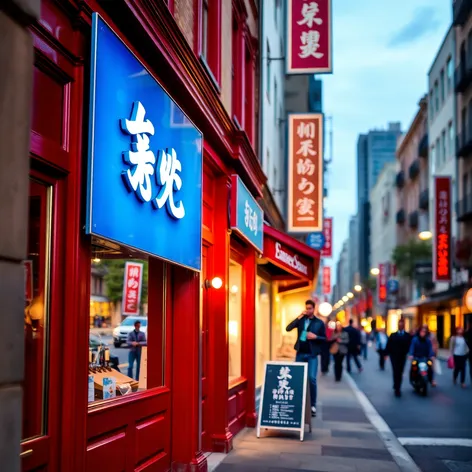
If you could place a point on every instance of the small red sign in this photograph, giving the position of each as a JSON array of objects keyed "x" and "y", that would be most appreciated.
[
  {"x": 326, "y": 280},
  {"x": 442, "y": 260},
  {"x": 309, "y": 37},
  {"x": 382, "y": 283},
  {"x": 132, "y": 286},
  {"x": 28, "y": 280},
  {"x": 327, "y": 250}
]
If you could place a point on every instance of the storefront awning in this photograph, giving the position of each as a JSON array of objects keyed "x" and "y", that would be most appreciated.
[
  {"x": 454, "y": 293},
  {"x": 287, "y": 258}
]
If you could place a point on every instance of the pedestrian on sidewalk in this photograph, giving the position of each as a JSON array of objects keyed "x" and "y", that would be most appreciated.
[
  {"x": 363, "y": 342},
  {"x": 460, "y": 351},
  {"x": 354, "y": 346},
  {"x": 136, "y": 340},
  {"x": 381, "y": 342},
  {"x": 468, "y": 340},
  {"x": 338, "y": 348},
  {"x": 325, "y": 354},
  {"x": 398, "y": 346},
  {"x": 311, "y": 336}
]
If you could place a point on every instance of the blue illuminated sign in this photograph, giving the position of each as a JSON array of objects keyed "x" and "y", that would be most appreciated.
[
  {"x": 247, "y": 217},
  {"x": 145, "y": 158},
  {"x": 316, "y": 240}
]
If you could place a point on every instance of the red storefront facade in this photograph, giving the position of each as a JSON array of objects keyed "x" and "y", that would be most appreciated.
[{"x": 192, "y": 402}]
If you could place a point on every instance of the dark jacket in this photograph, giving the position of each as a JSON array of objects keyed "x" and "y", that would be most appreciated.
[
  {"x": 316, "y": 326},
  {"x": 398, "y": 345},
  {"x": 421, "y": 348},
  {"x": 354, "y": 338}
]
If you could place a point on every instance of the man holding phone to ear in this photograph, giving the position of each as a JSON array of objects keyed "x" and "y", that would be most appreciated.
[{"x": 311, "y": 335}]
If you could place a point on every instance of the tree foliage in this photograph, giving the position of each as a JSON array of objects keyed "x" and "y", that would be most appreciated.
[
  {"x": 405, "y": 256},
  {"x": 114, "y": 278}
]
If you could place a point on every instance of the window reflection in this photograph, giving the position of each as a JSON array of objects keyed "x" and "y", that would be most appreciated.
[{"x": 263, "y": 328}]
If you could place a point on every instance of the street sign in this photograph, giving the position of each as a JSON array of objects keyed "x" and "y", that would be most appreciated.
[
  {"x": 393, "y": 286},
  {"x": 316, "y": 240},
  {"x": 285, "y": 398}
]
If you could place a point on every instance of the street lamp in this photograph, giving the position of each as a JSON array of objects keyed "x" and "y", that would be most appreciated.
[
  {"x": 358, "y": 288},
  {"x": 350, "y": 294},
  {"x": 375, "y": 271},
  {"x": 345, "y": 299},
  {"x": 325, "y": 309},
  {"x": 425, "y": 235}
]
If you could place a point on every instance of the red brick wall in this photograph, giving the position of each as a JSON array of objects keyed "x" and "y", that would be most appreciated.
[{"x": 184, "y": 13}]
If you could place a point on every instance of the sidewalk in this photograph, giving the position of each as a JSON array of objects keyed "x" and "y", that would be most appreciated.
[{"x": 342, "y": 440}]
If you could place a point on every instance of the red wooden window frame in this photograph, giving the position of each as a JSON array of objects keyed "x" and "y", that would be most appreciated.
[
  {"x": 249, "y": 80},
  {"x": 238, "y": 64},
  {"x": 211, "y": 58}
]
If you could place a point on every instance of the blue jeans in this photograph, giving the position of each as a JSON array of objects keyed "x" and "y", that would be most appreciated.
[
  {"x": 134, "y": 356},
  {"x": 312, "y": 373}
]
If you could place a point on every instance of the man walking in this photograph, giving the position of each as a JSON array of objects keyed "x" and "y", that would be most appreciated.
[
  {"x": 311, "y": 335},
  {"x": 136, "y": 341},
  {"x": 354, "y": 346},
  {"x": 398, "y": 346}
]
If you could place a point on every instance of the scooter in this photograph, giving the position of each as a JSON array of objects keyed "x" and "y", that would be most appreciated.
[{"x": 421, "y": 374}]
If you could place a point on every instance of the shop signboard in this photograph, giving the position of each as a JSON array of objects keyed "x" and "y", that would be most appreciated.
[
  {"x": 382, "y": 283},
  {"x": 132, "y": 288},
  {"x": 327, "y": 250},
  {"x": 442, "y": 257},
  {"x": 284, "y": 398},
  {"x": 145, "y": 166},
  {"x": 316, "y": 240},
  {"x": 305, "y": 173},
  {"x": 309, "y": 37},
  {"x": 247, "y": 217},
  {"x": 286, "y": 258},
  {"x": 326, "y": 280}
]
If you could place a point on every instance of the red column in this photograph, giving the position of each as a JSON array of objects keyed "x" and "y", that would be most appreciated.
[
  {"x": 221, "y": 437},
  {"x": 186, "y": 394},
  {"x": 249, "y": 336}
]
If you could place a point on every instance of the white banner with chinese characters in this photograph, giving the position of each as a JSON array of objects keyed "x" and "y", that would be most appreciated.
[
  {"x": 305, "y": 172},
  {"x": 132, "y": 287}
]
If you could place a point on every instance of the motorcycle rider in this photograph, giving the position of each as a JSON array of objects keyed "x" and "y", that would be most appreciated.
[{"x": 422, "y": 348}]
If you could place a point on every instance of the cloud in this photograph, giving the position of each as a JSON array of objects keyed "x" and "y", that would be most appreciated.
[{"x": 424, "y": 21}]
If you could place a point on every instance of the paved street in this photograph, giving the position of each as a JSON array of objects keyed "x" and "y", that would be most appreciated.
[{"x": 445, "y": 415}]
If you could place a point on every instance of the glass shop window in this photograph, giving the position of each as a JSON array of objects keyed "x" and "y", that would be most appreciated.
[
  {"x": 122, "y": 324},
  {"x": 234, "y": 322},
  {"x": 263, "y": 327}
]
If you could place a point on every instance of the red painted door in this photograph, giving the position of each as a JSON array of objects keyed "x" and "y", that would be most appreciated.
[
  {"x": 206, "y": 440},
  {"x": 41, "y": 375}
]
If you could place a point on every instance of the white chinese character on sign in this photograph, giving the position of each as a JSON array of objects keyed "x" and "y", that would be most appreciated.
[
  {"x": 309, "y": 12},
  {"x": 306, "y": 130},
  {"x": 250, "y": 218},
  {"x": 305, "y": 206},
  {"x": 310, "y": 44},
  {"x": 443, "y": 195},
  {"x": 141, "y": 159},
  {"x": 306, "y": 147},
  {"x": 306, "y": 186},
  {"x": 168, "y": 177},
  {"x": 133, "y": 283},
  {"x": 305, "y": 167},
  {"x": 284, "y": 373},
  {"x": 134, "y": 272}
]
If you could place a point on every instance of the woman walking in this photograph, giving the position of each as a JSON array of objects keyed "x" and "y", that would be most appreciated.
[
  {"x": 460, "y": 351},
  {"x": 338, "y": 348}
]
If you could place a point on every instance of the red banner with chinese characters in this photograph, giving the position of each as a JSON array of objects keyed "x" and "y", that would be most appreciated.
[
  {"x": 382, "y": 283},
  {"x": 132, "y": 286},
  {"x": 305, "y": 173},
  {"x": 327, "y": 250},
  {"x": 326, "y": 280},
  {"x": 442, "y": 259},
  {"x": 309, "y": 37}
]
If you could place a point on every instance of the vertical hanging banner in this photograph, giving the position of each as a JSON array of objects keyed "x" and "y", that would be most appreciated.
[
  {"x": 309, "y": 37},
  {"x": 305, "y": 172},
  {"x": 326, "y": 280},
  {"x": 327, "y": 250},
  {"x": 442, "y": 260},
  {"x": 382, "y": 283},
  {"x": 132, "y": 286}
]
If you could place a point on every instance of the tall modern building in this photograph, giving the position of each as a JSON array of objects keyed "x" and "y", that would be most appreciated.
[{"x": 374, "y": 150}]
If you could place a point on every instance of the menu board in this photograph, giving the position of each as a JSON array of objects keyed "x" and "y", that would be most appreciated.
[{"x": 285, "y": 398}]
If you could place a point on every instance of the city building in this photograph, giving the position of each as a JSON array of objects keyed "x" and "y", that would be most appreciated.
[
  {"x": 161, "y": 76},
  {"x": 353, "y": 251},
  {"x": 411, "y": 179},
  {"x": 374, "y": 150}
]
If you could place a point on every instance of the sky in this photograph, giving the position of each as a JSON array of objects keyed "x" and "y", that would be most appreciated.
[{"x": 381, "y": 57}]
